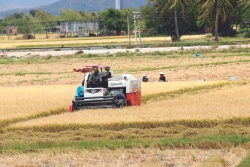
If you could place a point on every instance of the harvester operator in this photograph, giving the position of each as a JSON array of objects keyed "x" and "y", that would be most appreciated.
[
  {"x": 105, "y": 76},
  {"x": 95, "y": 78}
]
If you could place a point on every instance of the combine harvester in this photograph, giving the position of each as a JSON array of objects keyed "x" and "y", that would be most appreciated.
[{"x": 122, "y": 90}]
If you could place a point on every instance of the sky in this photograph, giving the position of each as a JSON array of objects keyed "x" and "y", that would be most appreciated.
[{"x": 8, "y": 4}]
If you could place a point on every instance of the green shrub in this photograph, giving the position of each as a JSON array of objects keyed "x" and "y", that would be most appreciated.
[
  {"x": 48, "y": 57},
  {"x": 247, "y": 34},
  {"x": 57, "y": 49},
  {"x": 129, "y": 46},
  {"x": 137, "y": 50},
  {"x": 20, "y": 74},
  {"x": 108, "y": 47},
  {"x": 79, "y": 52}
]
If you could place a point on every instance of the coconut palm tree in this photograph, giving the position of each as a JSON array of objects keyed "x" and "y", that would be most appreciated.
[
  {"x": 246, "y": 3},
  {"x": 213, "y": 9},
  {"x": 172, "y": 5}
]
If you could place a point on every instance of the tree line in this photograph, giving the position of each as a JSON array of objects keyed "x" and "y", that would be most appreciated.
[
  {"x": 36, "y": 20},
  {"x": 158, "y": 17},
  {"x": 194, "y": 16}
]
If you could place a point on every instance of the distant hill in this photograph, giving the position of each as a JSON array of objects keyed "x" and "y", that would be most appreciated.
[
  {"x": 86, "y": 5},
  {"x": 13, "y": 4}
]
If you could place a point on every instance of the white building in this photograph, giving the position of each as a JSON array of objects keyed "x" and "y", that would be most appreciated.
[{"x": 79, "y": 27}]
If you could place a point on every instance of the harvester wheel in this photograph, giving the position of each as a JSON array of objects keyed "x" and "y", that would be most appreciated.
[
  {"x": 121, "y": 103},
  {"x": 73, "y": 106},
  {"x": 120, "y": 98}
]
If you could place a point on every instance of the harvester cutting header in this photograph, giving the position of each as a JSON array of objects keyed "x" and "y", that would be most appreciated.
[{"x": 102, "y": 90}]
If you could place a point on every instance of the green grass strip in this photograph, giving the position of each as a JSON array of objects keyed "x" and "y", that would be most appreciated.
[
  {"x": 245, "y": 162},
  {"x": 170, "y": 54},
  {"x": 152, "y": 44},
  {"x": 200, "y": 142}
]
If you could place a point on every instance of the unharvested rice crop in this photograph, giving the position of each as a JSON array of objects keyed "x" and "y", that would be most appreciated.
[
  {"x": 24, "y": 101},
  {"x": 160, "y": 87},
  {"x": 225, "y": 103},
  {"x": 27, "y": 100}
]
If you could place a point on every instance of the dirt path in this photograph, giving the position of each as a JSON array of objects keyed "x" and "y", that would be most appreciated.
[{"x": 113, "y": 51}]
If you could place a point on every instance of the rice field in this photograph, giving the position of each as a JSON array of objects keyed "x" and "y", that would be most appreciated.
[
  {"x": 24, "y": 101},
  {"x": 212, "y": 67},
  {"x": 36, "y": 85},
  {"x": 131, "y": 158},
  {"x": 199, "y": 108},
  {"x": 144, "y": 62},
  {"x": 220, "y": 104},
  {"x": 53, "y": 40}
]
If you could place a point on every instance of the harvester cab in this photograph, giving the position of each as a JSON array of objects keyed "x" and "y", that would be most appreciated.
[{"x": 122, "y": 90}]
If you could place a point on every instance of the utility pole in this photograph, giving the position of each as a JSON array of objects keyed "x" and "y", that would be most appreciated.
[
  {"x": 137, "y": 16},
  {"x": 128, "y": 31},
  {"x": 139, "y": 29},
  {"x": 135, "y": 30}
]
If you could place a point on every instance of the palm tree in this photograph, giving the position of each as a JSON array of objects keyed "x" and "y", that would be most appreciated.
[
  {"x": 246, "y": 3},
  {"x": 172, "y": 5},
  {"x": 93, "y": 16},
  {"x": 219, "y": 8}
]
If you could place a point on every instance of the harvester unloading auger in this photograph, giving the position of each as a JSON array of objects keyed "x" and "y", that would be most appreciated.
[{"x": 119, "y": 91}]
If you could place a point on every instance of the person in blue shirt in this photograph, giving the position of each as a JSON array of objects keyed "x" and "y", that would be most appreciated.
[{"x": 79, "y": 91}]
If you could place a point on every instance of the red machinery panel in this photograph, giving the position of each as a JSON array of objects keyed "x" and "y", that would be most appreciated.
[{"x": 134, "y": 98}]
